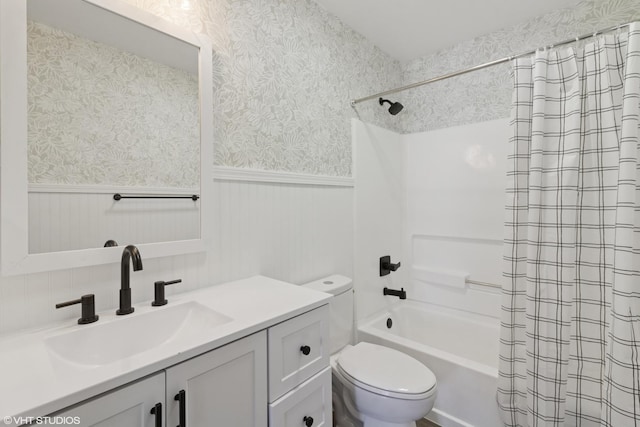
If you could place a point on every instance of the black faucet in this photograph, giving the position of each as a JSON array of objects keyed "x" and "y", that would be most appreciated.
[
  {"x": 129, "y": 253},
  {"x": 88, "y": 308},
  {"x": 402, "y": 294},
  {"x": 158, "y": 292}
]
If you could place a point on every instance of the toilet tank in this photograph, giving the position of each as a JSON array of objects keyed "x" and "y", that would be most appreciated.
[{"x": 340, "y": 307}]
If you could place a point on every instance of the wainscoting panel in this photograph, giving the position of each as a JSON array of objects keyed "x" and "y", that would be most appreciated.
[{"x": 291, "y": 232}]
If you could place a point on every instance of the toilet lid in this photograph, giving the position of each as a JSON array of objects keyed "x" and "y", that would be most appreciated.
[{"x": 386, "y": 369}]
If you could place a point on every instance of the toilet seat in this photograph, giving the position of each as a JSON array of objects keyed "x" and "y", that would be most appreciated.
[{"x": 386, "y": 372}]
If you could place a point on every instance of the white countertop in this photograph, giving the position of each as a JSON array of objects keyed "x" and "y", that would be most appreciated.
[{"x": 35, "y": 382}]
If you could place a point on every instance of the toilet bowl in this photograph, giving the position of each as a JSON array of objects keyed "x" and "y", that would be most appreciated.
[
  {"x": 372, "y": 385},
  {"x": 381, "y": 387}
]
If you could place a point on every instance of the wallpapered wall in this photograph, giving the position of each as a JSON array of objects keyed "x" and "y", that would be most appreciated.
[
  {"x": 102, "y": 116},
  {"x": 486, "y": 94},
  {"x": 284, "y": 73}
]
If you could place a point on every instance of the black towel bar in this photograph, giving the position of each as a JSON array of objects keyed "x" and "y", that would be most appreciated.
[{"x": 119, "y": 196}]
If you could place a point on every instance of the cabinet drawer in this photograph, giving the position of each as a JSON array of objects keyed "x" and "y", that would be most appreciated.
[
  {"x": 310, "y": 399},
  {"x": 288, "y": 343}
]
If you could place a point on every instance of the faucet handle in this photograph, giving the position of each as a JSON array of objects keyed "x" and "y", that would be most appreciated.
[
  {"x": 158, "y": 292},
  {"x": 386, "y": 266},
  {"x": 88, "y": 308}
]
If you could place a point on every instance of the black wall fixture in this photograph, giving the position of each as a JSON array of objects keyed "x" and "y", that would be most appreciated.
[
  {"x": 386, "y": 266},
  {"x": 119, "y": 196},
  {"x": 402, "y": 294},
  {"x": 394, "y": 107}
]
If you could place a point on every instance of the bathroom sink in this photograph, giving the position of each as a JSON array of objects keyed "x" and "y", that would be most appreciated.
[{"x": 127, "y": 336}]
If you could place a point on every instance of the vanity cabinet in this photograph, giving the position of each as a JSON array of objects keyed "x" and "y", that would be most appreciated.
[
  {"x": 129, "y": 406},
  {"x": 213, "y": 348},
  {"x": 276, "y": 377},
  {"x": 299, "y": 372},
  {"x": 224, "y": 387}
]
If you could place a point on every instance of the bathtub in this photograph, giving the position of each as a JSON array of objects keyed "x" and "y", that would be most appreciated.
[{"x": 460, "y": 348}]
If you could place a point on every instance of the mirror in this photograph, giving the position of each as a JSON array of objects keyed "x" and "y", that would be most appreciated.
[
  {"x": 108, "y": 112},
  {"x": 106, "y": 99}
]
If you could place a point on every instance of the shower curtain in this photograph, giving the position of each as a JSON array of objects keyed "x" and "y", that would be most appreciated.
[{"x": 570, "y": 334}]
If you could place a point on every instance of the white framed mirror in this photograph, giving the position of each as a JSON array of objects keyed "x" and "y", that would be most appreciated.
[{"x": 99, "y": 98}]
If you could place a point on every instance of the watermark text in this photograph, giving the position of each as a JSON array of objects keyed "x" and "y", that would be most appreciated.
[{"x": 47, "y": 421}]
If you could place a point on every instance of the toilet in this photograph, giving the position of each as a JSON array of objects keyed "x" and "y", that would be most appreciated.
[{"x": 372, "y": 385}]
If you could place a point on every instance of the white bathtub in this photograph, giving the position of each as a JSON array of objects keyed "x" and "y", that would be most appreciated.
[{"x": 460, "y": 348}]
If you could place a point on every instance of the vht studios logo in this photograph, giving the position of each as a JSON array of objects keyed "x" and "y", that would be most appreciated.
[{"x": 47, "y": 421}]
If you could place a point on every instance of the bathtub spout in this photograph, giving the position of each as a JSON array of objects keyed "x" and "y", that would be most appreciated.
[{"x": 402, "y": 294}]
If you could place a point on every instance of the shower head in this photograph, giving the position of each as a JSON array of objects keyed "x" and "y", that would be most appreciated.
[{"x": 394, "y": 107}]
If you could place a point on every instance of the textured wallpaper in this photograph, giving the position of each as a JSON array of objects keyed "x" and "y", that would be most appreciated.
[
  {"x": 284, "y": 74},
  {"x": 99, "y": 115},
  {"x": 486, "y": 94},
  {"x": 285, "y": 70}
]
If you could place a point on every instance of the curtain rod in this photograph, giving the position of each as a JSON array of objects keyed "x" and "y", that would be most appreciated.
[{"x": 485, "y": 65}]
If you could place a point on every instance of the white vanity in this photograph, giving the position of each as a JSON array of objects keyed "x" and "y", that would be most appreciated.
[{"x": 250, "y": 353}]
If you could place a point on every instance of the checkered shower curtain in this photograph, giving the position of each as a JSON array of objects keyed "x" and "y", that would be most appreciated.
[{"x": 570, "y": 334}]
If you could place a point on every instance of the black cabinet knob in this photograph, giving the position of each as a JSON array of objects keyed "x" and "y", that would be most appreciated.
[
  {"x": 308, "y": 421},
  {"x": 305, "y": 349}
]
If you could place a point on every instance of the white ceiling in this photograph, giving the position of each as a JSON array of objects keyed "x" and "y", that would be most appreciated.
[{"x": 408, "y": 29}]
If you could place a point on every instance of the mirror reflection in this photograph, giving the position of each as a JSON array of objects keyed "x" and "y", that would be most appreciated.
[{"x": 113, "y": 107}]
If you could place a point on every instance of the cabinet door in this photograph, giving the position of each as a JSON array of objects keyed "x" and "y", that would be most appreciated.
[
  {"x": 129, "y": 406},
  {"x": 224, "y": 387}
]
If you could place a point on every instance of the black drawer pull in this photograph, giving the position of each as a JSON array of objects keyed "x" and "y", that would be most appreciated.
[
  {"x": 308, "y": 421},
  {"x": 305, "y": 349},
  {"x": 182, "y": 398},
  {"x": 157, "y": 411}
]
